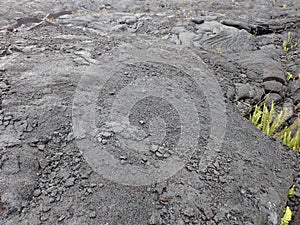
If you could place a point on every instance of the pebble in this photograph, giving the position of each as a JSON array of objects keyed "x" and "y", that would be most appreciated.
[
  {"x": 61, "y": 218},
  {"x": 106, "y": 134},
  {"x": 70, "y": 182},
  {"x": 273, "y": 97},
  {"x": 153, "y": 148},
  {"x": 93, "y": 214},
  {"x": 159, "y": 155},
  {"x": 44, "y": 163},
  {"x": 70, "y": 137},
  {"x": 160, "y": 187},
  {"x": 197, "y": 20},
  {"x": 122, "y": 157},
  {"x": 242, "y": 91},
  {"x": 188, "y": 212},
  {"x": 41, "y": 147},
  {"x": 272, "y": 85},
  {"x": 37, "y": 192},
  {"x": 44, "y": 218}
]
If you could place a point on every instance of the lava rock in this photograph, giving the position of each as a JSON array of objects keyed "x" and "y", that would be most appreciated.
[{"x": 273, "y": 86}]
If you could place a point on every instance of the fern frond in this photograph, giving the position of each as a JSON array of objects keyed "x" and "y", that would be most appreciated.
[{"x": 287, "y": 217}]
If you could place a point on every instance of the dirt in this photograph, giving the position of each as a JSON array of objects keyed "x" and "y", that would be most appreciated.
[{"x": 132, "y": 112}]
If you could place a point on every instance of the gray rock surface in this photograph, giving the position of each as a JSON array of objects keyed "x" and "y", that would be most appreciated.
[{"x": 113, "y": 113}]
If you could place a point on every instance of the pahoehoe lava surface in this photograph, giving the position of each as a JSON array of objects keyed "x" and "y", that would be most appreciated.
[{"x": 139, "y": 84}]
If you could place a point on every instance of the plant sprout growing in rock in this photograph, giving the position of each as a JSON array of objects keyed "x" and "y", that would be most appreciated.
[
  {"x": 289, "y": 76},
  {"x": 287, "y": 43},
  {"x": 286, "y": 135},
  {"x": 270, "y": 123},
  {"x": 263, "y": 119},
  {"x": 287, "y": 217}
]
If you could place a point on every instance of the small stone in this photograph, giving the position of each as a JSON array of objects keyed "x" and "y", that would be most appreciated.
[
  {"x": 222, "y": 179},
  {"x": 206, "y": 210},
  {"x": 46, "y": 209},
  {"x": 7, "y": 118},
  {"x": 41, "y": 147},
  {"x": 153, "y": 148},
  {"x": 93, "y": 185},
  {"x": 70, "y": 182},
  {"x": 93, "y": 214},
  {"x": 256, "y": 93},
  {"x": 188, "y": 212},
  {"x": 160, "y": 187},
  {"x": 129, "y": 20},
  {"x": 144, "y": 159},
  {"x": 70, "y": 137},
  {"x": 273, "y": 97},
  {"x": 272, "y": 85},
  {"x": 159, "y": 155},
  {"x": 3, "y": 85},
  {"x": 161, "y": 150},
  {"x": 104, "y": 141},
  {"x": 44, "y": 163},
  {"x": 106, "y": 134},
  {"x": 197, "y": 20},
  {"x": 163, "y": 199},
  {"x": 242, "y": 91},
  {"x": 37, "y": 192},
  {"x": 61, "y": 218},
  {"x": 122, "y": 157},
  {"x": 166, "y": 155},
  {"x": 44, "y": 218},
  {"x": 243, "y": 191},
  {"x": 230, "y": 92},
  {"x": 89, "y": 190}
]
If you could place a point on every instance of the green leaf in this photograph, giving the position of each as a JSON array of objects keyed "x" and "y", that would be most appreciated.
[
  {"x": 292, "y": 191},
  {"x": 287, "y": 217}
]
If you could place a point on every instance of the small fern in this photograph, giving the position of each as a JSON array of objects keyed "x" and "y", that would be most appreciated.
[
  {"x": 292, "y": 191},
  {"x": 287, "y": 217},
  {"x": 263, "y": 119},
  {"x": 286, "y": 135},
  {"x": 270, "y": 123}
]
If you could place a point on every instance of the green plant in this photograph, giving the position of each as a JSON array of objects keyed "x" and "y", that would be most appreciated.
[
  {"x": 286, "y": 135},
  {"x": 284, "y": 6},
  {"x": 287, "y": 43},
  {"x": 271, "y": 123},
  {"x": 287, "y": 217},
  {"x": 263, "y": 118},
  {"x": 292, "y": 191},
  {"x": 289, "y": 76}
]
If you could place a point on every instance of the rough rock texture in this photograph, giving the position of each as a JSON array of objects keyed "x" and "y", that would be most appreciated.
[{"x": 122, "y": 112}]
